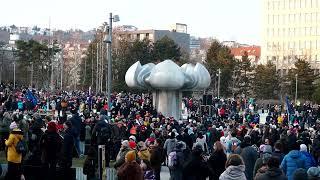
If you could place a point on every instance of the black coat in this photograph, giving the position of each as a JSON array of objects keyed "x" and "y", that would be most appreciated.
[
  {"x": 273, "y": 173},
  {"x": 157, "y": 157},
  {"x": 195, "y": 169},
  {"x": 51, "y": 143},
  {"x": 67, "y": 149},
  {"x": 76, "y": 124},
  {"x": 216, "y": 164}
]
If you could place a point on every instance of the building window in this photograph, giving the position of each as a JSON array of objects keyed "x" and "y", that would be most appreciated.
[{"x": 138, "y": 36}]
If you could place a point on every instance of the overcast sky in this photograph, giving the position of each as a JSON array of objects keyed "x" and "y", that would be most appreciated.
[{"x": 238, "y": 20}]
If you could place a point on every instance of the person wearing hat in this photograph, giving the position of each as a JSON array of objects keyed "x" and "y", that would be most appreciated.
[
  {"x": 50, "y": 144},
  {"x": 313, "y": 173},
  {"x": 130, "y": 170},
  {"x": 272, "y": 172},
  {"x": 13, "y": 157},
  {"x": 310, "y": 161},
  {"x": 262, "y": 161},
  {"x": 293, "y": 161},
  {"x": 249, "y": 155},
  {"x": 143, "y": 151},
  {"x": 195, "y": 167},
  {"x": 66, "y": 155},
  {"x": 132, "y": 142},
  {"x": 122, "y": 153}
]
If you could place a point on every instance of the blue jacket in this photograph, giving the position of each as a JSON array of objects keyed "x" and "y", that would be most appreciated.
[
  {"x": 292, "y": 161},
  {"x": 311, "y": 162}
]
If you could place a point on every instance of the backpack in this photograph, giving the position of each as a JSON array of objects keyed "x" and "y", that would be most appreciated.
[
  {"x": 21, "y": 147},
  {"x": 172, "y": 160}
]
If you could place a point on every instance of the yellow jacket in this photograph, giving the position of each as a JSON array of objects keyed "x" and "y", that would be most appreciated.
[{"x": 11, "y": 143}]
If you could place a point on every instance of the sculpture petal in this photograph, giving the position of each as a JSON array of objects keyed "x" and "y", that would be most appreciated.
[
  {"x": 132, "y": 75},
  {"x": 166, "y": 75},
  {"x": 203, "y": 75}
]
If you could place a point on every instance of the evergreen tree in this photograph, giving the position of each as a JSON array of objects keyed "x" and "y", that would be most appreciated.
[
  {"x": 220, "y": 57},
  {"x": 305, "y": 79},
  {"x": 265, "y": 82},
  {"x": 165, "y": 48}
]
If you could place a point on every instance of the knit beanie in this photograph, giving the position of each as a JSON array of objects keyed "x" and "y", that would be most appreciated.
[
  {"x": 303, "y": 147},
  {"x": 313, "y": 172},
  {"x": 13, "y": 125},
  {"x": 125, "y": 143},
  {"x": 131, "y": 156}
]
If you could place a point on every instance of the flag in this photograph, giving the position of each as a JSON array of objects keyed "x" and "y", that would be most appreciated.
[
  {"x": 289, "y": 106},
  {"x": 32, "y": 98}
]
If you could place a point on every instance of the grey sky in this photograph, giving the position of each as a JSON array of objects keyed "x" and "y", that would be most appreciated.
[{"x": 238, "y": 20}]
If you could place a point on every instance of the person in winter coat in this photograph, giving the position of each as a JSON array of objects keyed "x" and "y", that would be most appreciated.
[
  {"x": 143, "y": 153},
  {"x": 217, "y": 161},
  {"x": 130, "y": 170},
  {"x": 201, "y": 139},
  {"x": 67, "y": 149},
  {"x": 262, "y": 161},
  {"x": 13, "y": 157},
  {"x": 293, "y": 161},
  {"x": 300, "y": 174},
  {"x": 235, "y": 169},
  {"x": 232, "y": 142},
  {"x": 4, "y": 128},
  {"x": 196, "y": 168},
  {"x": 249, "y": 155},
  {"x": 35, "y": 134},
  {"x": 90, "y": 164},
  {"x": 157, "y": 157},
  {"x": 101, "y": 135},
  {"x": 310, "y": 161},
  {"x": 76, "y": 127},
  {"x": 50, "y": 144},
  {"x": 122, "y": 153},
  {"x": 176, "y": 170},
  {"x": 273, "y": 171},
  {"x": 170, "y": 143},
  {"x": 278, "y": 151}
]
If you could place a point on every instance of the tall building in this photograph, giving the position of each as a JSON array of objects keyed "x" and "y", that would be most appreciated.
[{"x": 291, "y": 30}]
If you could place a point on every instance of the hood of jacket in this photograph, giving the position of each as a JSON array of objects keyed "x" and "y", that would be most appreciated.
[{"x": 234, "y": 172}]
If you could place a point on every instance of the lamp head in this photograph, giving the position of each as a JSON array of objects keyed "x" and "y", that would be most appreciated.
[{"x": 116, "y": 18}]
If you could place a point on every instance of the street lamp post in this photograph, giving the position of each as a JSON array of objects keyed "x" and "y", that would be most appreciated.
[
  {"x": 219, "y": 72},
  {"x": 296, "y": 95},
  {"x": 14, "y": 74},
  {"x": 108, "y": 40}
]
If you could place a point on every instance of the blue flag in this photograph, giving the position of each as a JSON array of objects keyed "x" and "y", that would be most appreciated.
[
  {"x": 289, "y": 106},
  {"x": 32, "y": 98}
]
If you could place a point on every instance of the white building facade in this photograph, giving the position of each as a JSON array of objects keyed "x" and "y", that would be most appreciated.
[{"x": 291, "y": 30}]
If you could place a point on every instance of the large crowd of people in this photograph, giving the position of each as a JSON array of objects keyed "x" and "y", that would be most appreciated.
[{"x": 227, "y": 141}]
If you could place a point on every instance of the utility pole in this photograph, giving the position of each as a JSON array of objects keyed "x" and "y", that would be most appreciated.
[
  {"x": 109, "y": 64},
  {"x": 14, "y": 74}
]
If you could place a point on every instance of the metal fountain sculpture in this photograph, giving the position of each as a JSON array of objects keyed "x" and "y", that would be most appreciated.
[{"x": 167, "y": 81}]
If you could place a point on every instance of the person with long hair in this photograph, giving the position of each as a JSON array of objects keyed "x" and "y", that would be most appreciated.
[
  {"x": 235, "y": 168},
  {"x": 217, "y": 161}
]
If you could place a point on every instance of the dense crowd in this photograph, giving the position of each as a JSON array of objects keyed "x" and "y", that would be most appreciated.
[{"x": 47, "y": 130}]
